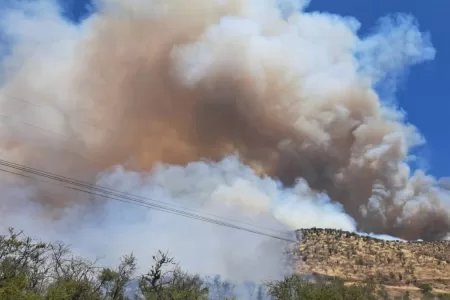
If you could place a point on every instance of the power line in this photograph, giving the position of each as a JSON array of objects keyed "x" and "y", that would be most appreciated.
[
  {"x": 107, "y": 191},
  {"x": 114, "y": 192},
  {"x": 7, "y": 95},
  {"x": 121, "y": 196},
  {"x": 159, "y": 208}
]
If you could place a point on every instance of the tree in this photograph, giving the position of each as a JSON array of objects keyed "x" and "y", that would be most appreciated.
[
  {"x": 33, "y": 270},
  {"x": 166, "y": 281},
  {"x": 22, "y": 266},
  {"x": 295, "y": 287},
  {"x": 115, "y": 282}
]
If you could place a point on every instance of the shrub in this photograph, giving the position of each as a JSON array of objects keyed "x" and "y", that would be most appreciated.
[
  {"x": 425, "y": 288},
  {"x": 32, "y": 270},
  {"x": 295, "y": 287}
]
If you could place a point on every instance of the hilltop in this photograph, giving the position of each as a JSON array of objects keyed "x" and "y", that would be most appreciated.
[{"x": 354, "y": 258}]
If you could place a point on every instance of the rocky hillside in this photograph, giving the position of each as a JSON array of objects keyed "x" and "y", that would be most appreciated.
[{"x": 398, "y": 265}]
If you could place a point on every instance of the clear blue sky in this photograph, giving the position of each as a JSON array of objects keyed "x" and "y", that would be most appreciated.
[{"x": 424, "y": 93}]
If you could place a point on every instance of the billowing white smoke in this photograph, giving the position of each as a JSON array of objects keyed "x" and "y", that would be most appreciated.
[
  {"x": 227, "y": 189},
  {"x": 233, "y": 188},
  {"x": 152, "y": 72}
]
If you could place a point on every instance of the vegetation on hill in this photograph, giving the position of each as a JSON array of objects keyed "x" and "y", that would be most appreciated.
[
  {"x": 34, "y": 270},
  {"x": 398, "y": 265}
]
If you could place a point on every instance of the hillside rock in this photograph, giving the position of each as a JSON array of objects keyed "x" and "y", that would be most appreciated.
[{"x": 356, "y": 258}]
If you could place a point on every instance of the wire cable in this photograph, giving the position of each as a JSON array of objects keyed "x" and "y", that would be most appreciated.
[
  {"x": 107, "y": 192},
  {"x": 114, "y": 192},
  {"x": 121, "y": 196},
  {"x": 6, "y": 95}
]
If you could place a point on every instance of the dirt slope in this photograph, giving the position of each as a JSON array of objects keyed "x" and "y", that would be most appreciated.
[{"x": 398, "y": 265}]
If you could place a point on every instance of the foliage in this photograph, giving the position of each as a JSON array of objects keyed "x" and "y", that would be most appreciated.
[
  {"x": 295, "y": 287},
  {"x": 425, "y": 288},
  {"x": 33, "y": 270},
  {"x": 162, "y": 283}
]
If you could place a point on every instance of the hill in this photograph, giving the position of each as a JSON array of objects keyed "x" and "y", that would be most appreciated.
[{"x": 354, "y": 258}]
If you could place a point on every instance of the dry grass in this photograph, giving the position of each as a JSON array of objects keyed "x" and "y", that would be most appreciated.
[{"x": 396, "y": 264}]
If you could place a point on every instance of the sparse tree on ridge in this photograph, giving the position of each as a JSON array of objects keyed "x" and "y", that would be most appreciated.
[{"x": 33, "y": 270}]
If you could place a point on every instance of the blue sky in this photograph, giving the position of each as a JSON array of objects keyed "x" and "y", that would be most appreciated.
[{"x": 423, "y": 95}]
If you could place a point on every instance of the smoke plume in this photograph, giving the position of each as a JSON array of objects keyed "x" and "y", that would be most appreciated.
[{"x": 253, "y": 110}]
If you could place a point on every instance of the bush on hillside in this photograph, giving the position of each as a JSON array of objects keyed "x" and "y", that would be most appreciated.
[
  {"x": 295, "y": 287},
  {"x": 33, "y": 270}
]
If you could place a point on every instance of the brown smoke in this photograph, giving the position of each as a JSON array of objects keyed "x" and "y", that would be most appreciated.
[{"x": 135, "y": 79}]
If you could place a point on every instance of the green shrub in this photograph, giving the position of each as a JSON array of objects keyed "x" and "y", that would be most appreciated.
[
  {"x": 425, "y": 288},
  {"x": 32, "y": 270},
  {"x": 295, "y": 287}
]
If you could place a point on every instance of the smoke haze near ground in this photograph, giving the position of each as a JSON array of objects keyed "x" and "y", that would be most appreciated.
[{"x": 232, "y": 107}]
